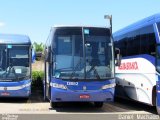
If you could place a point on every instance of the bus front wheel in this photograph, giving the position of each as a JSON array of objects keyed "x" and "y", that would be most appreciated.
[
  {"x": 157, "y": 108},
  {"x": 53, "y": 104},
  {"x": 98, "y": 104}
]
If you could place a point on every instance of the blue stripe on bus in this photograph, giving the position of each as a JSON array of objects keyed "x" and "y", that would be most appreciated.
[
  {"x": 23, "y": 92},
  {"x": 16, "y": 83}
]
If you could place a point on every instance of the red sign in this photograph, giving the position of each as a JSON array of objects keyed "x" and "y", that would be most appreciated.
[
  {"x": 128, "y": 66},
  {"x": 5, "y": 94},
  {"x": 84, "y": 96}
]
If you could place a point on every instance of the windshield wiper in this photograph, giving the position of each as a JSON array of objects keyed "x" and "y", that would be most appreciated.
[
  {"x": 24, "y": 77},
  {"x": 95, "y": 71},
  {"x": 74, "y": 70},
  {"x": 9, "y": 72}
]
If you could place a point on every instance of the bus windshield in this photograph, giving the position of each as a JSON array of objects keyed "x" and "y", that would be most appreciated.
[
  {"x": 98, "y": 52},
  {"x": 158, "y": 52},
  {"x": 14, "y": 62},
  {"x": 82, "y": 53},
  {"x": 158, "y": 24}
]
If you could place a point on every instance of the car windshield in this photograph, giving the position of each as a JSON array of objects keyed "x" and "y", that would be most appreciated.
[
  {"x": 82, "y": 53},
  {"x": 14, "y": 62}
]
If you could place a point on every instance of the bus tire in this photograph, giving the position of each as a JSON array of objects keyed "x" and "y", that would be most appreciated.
[
  {"x": 154, "y": 102},
  {"x": 25, "y": 99},
  {"x": 44, "y": 96},
  {"x": 98, "y": 104},
  {"x": 53, "y": 104},
  {"x": 157, "y": 110}
]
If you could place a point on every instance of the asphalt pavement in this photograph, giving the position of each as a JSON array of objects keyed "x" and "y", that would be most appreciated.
[{"x": 35, "y": 106}]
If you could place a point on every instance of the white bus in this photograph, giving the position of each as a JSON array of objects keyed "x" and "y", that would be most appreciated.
[{"x": 138, "y": 77}]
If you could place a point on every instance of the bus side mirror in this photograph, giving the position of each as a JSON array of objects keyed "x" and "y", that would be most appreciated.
[
  {"x": 33, "y": 55},
  {"x": 118, "y": 57}
]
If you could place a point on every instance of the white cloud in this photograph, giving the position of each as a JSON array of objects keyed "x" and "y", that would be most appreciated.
[{"x": 2, "y": 24}]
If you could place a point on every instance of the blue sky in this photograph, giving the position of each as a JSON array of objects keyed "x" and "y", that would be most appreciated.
[{"x": 35, "y": 17}]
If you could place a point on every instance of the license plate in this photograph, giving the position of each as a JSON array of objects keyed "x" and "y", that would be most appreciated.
[
  {"x": 84, "y": 96},
  {"x": 5, "y": 94}
]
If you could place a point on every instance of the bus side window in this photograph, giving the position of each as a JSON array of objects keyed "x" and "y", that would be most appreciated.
[
  {"x": 123, "y": 48},
  {"x": 121, "y": 43},
  {"x": 130, "y": 41},
  {"x": 152, "y": 44},
  {"x": 136, "y": 42},
  {"x": 133, "y": 44},
  {"x": 148, "y": 40}
]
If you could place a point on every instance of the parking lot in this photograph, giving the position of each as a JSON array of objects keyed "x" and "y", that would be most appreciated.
[{"x": 36, "y": 105}]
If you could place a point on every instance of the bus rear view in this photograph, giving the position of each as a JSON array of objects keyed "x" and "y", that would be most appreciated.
[
  {"x": 15, "y": 66},
  {"x": 79, "y": 65}
]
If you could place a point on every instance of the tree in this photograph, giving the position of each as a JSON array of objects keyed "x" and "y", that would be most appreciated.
[{"x": 39, "y": 48}]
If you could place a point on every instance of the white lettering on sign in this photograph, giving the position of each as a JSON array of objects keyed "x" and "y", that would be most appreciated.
[{"x": 72, "y": 83}]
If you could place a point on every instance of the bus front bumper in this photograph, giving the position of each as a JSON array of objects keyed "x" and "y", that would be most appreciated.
[
  {"x": 25, "y": 92},
  {"x": 15, "y": 89},
  {"x": 59, "y": 95}
]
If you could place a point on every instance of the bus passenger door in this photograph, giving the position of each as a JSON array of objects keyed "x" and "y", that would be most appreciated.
[
  {"x": 47, "y": 80},
  {"x": 47, "y": 74},
  {"x": 158, "y": 96},
  {"x": 158, "y": 80}
]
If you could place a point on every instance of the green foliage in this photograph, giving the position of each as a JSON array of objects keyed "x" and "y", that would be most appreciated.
[
  {"x": 37, "y": 79},
  {"x": 38, "y": 47}
]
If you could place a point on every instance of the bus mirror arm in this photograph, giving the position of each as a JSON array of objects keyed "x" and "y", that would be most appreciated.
[{"x": 118, "y": 57}]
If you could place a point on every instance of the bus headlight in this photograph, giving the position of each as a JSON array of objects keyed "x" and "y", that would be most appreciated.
[
  {"x": 108, "y": 86},
  {"x": 60, "y": 86}
]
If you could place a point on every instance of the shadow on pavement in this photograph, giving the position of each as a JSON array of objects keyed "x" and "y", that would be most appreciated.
[
  {"x": 78, "y": 107},
  {"x": 120, "y": 105},
  {"x": 35, "y": 97},
  {"x": 133, "y": 105}
]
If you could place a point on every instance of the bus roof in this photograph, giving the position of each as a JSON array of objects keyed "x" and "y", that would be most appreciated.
[
  {"x": 14, "y": 39},
  {"x": 58, "y": 26},
  {"x": 144, "y": 22}
]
